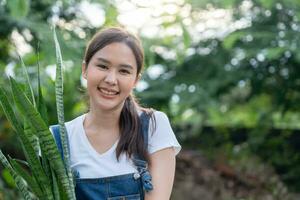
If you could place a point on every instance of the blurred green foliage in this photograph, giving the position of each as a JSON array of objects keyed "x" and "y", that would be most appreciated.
[{"x": 222, "y": 91}]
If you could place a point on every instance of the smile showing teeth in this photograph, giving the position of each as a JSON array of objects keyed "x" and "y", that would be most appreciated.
[{"x": 107, "y": 92}]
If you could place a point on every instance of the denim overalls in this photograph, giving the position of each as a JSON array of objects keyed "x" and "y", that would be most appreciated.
[{"x": 122, "y": 187}]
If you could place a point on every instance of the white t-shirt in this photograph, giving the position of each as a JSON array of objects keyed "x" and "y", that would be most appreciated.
[{"x": 90, "y": 164}]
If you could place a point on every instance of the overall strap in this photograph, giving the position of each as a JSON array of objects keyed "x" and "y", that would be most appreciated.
[
  {"x": 140, "y": 163},
  {"x": 144, "y": 118},
  {"x": 56, "y": 133}
]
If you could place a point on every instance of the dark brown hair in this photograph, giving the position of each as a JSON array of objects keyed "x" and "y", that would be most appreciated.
[{"x": 131, "y": 139}]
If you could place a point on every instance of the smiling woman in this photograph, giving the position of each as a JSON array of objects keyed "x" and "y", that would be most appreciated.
[
  {"x": 112, "y": 145},
  {"x": 112, "y": 71}
]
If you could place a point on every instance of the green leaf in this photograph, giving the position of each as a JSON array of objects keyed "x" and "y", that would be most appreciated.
[
  {"x": 59, "y": 96},
  {"x": 231, "y": 39},
  {"x": 275, "y": 53},
  {"x": 9, "y": 180},
  {"x": 23, "y": 162},
  {"x": 18, "y": 8},
  {"x": 186, "y": 36},
  {"x": 46, "y": 166},
  {"x": 28, "y": 140},
  {"x": 60, "y": 109},
  {"x": 31, "y": 137},
  {"x": 31, "y": 149},
  {"x": 28, "y": 88},
  {"x": 111, "y": 14},
  {"x": 8, "y": 110},
  {"x": 20, "y": 183},
  {"x": 33, "y": 185},
  {"x": 41, "y": 103},
  {"x": 46, "y": 139},
  {"x": 55, "y": 187}
]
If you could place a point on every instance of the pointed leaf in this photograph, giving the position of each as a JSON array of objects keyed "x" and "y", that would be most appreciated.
[
  {"x": 33, "y": 185},
  {"x": 186, "y": 36},
  {"x": 41, "y": 103},
  {"x": 33, "y": 139},
  {"x": 28, "y": 140},
  {"x": 55, "y": 187},
  {"x": 47, "y": 142},
  {"x": 31, "y": 149},
  {"x": 46, "y": 166},
  {"x": 20, "y": 183},
  {"x": 8, "y": 110},
  {"x": 60, "y": 109},
  {"x": 28, "y": 88}
]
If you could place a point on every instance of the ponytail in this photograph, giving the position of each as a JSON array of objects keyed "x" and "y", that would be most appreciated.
[{"x": 131, "y": 138}]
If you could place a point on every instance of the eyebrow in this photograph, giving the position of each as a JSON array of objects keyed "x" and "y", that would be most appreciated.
[{"x": 108, "y": 62}]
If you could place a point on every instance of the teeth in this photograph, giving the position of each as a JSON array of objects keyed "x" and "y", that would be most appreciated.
[{"x": 107, "y": 92}]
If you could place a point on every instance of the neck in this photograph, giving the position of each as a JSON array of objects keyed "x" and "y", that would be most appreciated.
[{"x": 103, "y": 120}]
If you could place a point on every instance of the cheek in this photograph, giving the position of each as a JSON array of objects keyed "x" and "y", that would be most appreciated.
[
  {"x": 128, "y": 85},
  {"x": 93, "y": 74}
]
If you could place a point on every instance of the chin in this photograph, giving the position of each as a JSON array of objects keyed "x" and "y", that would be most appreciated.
[{"x": 110, "y": 107}]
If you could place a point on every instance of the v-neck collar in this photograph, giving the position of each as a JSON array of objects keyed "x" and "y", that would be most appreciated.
[{"x": 89, "y": 146}]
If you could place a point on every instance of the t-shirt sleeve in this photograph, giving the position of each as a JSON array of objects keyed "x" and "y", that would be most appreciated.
[{"x": 163, "y": 136}]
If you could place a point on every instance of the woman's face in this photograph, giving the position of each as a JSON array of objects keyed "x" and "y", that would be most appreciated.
[{"x": 111, "y": 75}]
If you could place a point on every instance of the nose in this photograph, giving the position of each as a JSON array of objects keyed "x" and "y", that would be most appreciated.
[{"x": 111, "y": 78}]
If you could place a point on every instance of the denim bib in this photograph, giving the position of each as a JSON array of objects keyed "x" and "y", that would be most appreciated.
[{"x": 123, "y": 187}]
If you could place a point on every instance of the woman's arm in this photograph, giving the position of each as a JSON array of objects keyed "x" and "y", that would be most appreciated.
[{"x": 162, "y": 170}]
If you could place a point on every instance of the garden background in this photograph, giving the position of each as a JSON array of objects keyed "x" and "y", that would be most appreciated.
[{"x": 226, "y": 72}]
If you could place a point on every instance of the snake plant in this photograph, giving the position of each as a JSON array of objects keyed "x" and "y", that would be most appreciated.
[{"x": 44, "y": 175}]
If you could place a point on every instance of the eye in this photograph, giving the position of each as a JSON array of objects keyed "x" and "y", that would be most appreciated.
[
  {"x": 102, "y": 66},
  {"x": 124, "y": 71}
]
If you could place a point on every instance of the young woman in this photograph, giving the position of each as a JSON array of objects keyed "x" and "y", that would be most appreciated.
[{"x": 119, "y": 150}]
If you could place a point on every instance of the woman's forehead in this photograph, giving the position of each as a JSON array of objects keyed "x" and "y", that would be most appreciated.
[{"x": 116, "y": 53}]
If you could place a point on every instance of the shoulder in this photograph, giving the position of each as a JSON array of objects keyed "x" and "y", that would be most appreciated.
[
  {"x": 160, "y": 122},
  {"x": 161, "y": 134},
  {"x": 155, "y": 115},
  {"x": 160, "y": 116},
  {"x": 74, "y": 124},
  {"x": 73, "y": 121}
]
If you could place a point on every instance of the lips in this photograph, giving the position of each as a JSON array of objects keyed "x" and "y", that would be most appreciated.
[{"x": 108, "y": 92}]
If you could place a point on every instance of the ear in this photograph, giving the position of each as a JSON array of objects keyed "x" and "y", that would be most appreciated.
[
  {"x": 83, "y": 70},
  {"x": 137, "y": 79}
]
